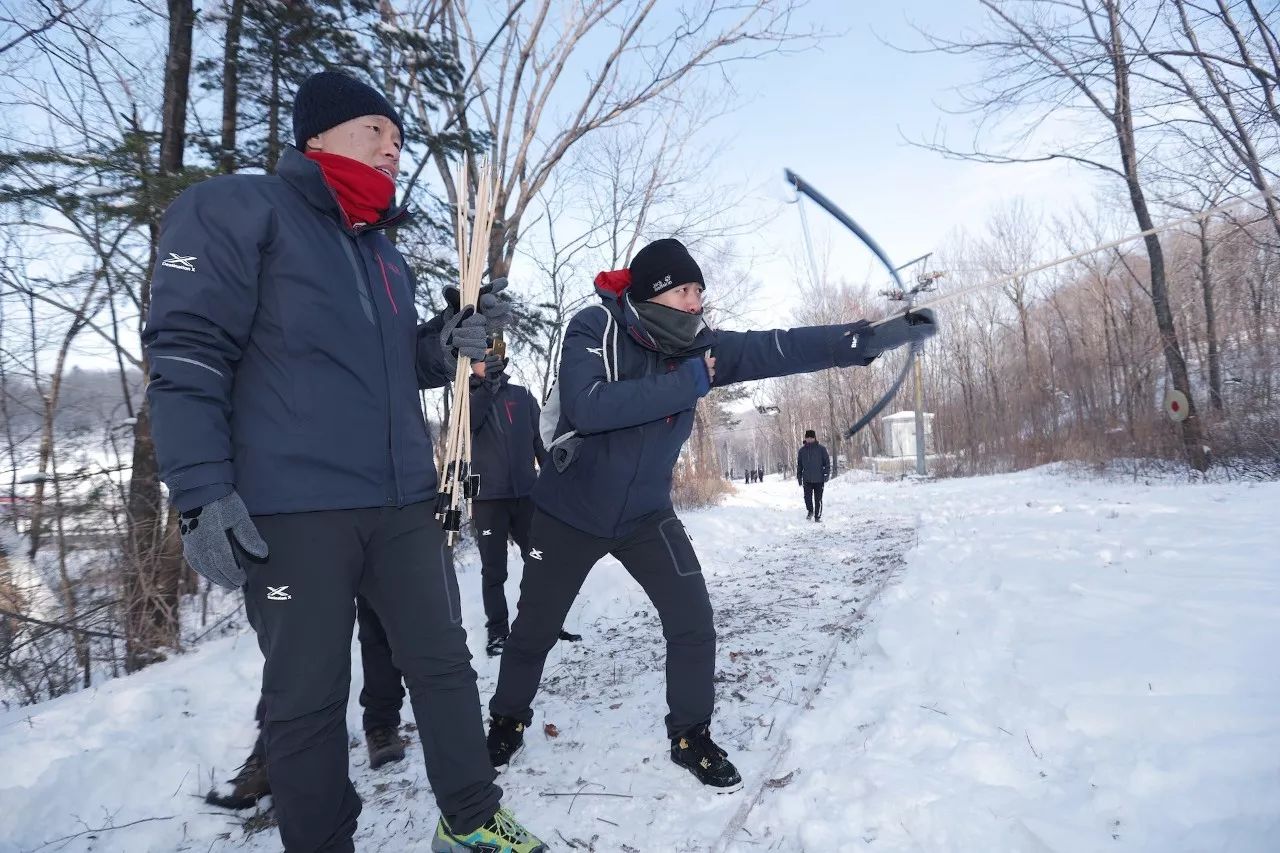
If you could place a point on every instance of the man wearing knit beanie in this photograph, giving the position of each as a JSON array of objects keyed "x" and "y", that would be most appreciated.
[
  {"x": 286, "y": 360},
  {"x": 631, "y": 372},
  {"x": 813, "y": 468}
]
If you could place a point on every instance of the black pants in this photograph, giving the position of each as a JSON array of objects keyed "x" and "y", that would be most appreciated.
[
  {"x": 813, "y": 498},
  {"x": 383, "y": 693},
  {"x": 301, "y": 601},
  {"x": 660, "y": 557},
  {"x": 494, "y": 521}
]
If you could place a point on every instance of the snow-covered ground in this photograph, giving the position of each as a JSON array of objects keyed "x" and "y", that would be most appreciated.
[{"x": 1030, "y": 662}]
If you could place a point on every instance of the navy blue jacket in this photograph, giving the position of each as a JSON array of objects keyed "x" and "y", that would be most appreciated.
[
  {"x": 633, "y": 428},
  {"x": 285, "y": 351},
  {"x": 504, "y": 438},
  {"x": 813, "y": 463}
]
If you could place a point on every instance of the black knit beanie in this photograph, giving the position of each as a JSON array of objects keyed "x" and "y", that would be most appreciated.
[
  {"x": 328, "y": 98},
  {"x": 659, "y": 266},
  {"x": 810, "y": 434}
]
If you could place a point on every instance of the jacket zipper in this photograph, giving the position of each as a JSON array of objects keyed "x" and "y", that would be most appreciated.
[{"x": 363, "y": 277}]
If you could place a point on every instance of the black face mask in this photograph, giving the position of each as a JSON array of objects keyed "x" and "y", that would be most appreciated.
[{"x": 673, "y": 330}]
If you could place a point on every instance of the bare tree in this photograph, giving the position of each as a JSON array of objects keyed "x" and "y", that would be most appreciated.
[
  {"x": 15, "y": 30},
  {"x": 522, "y": 87},
  {"x": 1050, "y": 58}
]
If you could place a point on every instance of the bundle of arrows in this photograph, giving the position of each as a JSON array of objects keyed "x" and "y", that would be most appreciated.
[{"x": 473, "y": 225}]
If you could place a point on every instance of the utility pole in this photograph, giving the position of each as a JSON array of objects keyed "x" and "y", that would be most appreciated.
[
  {"x": 919, "y": 420},
  {"x": 925, "y": 281}
]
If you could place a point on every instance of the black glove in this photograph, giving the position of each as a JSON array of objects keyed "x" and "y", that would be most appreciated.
[
  {"x": 464, "y": 335},
  {"x": 493, "y": 367},
  {"x": 495, "y": 311},
  {"x": 870, "y": 340},
  {"x": 207, "y": 534}
]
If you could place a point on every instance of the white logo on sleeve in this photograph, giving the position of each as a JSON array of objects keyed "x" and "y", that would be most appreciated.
[
  {"x": 535, "y": 554},
  {"x": 487, "y": 533},
  {"x": 179, "y": 262},
  {"x": 854, "y": 344},
  {"x": 278, "y": 593}
]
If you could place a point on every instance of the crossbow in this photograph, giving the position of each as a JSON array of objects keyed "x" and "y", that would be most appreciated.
[{"x": 908, "y": 295}]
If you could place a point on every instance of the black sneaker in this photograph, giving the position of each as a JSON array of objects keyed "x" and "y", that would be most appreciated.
[
  {"x": 506, "y": 738},
  {"x": 569, "y": 638},
  {"x": 497, "y": 642},
  {"x": 384, "y": 745},
  {"x": 697, "y": 752},
  {"x": 244, "y": 789}
]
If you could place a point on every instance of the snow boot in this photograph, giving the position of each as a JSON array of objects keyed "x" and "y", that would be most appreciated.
[
  {"x": 243, "y": 790},
  {"x": 506, "y": 738},
  {"x": 697, "y": 752},
  {"x": 384, "y": 745},
  {"x": 501, "y": 834},
  {"x": 497, "y": 642}
]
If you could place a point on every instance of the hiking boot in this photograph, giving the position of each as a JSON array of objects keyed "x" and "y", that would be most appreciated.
[
  {"x": 497, "y": 642},
  {"x": 501, "y": 834},
  {"x": 243, "y": 790},
  {"x": 506, "y": 738},
  {"x": 569, "y": 638},
  {"x": 808, "y": 516},
  {"x": 697, "y": 752},
  {"x": 384, "y": 745}
]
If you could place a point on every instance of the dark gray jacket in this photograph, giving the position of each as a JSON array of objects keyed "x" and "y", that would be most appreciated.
[
  {"x": 504, "y": 438},
  {"x": 285, "y": 351},
  {"x": 634, "y": 425},
  {"x": 813, "y": 463}
]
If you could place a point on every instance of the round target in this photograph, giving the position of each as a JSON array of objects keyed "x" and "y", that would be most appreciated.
[{"x": 1175, "y": 405}]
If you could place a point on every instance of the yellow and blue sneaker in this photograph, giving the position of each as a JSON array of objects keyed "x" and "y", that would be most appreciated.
[{"x": 501, "y": 834}]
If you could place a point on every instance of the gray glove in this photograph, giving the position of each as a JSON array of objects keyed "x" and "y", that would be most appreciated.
[
  {"x": 464, "y": 334},
  {"x": 496, "y": 311},
  {"x": 207, "y": 532},
  {"x": 916, "y": 326}
]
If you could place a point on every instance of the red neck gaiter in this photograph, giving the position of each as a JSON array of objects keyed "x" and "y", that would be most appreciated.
[{"x": 364, "y": 193}]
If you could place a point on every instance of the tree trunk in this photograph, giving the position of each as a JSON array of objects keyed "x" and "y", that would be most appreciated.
[
  {"x": 177, "y": 76},
  {"x": 230, "y": 86},
  {"x": 1210, "y": 321},
  {"x": 151, "y": 577},
  {"x": 273, "y": 110},
  {"x": 1192, "y": 437}
]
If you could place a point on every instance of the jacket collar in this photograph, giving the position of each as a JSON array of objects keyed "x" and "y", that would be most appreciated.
[
  {"x": 305, "y": 176},
  {"x": 619, "y": 304}
]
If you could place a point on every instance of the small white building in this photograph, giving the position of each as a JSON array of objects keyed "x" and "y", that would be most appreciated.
[{"x": 899, "y": 434}]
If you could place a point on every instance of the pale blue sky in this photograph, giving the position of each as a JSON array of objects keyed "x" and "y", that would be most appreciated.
[{"x": 837, "y": 116}]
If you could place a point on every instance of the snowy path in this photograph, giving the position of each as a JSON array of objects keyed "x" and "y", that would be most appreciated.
[
  {"x": 1066, "y": 665},
  {"x": 787, "y": 595},
  {"x": 1030, "y": 662}
]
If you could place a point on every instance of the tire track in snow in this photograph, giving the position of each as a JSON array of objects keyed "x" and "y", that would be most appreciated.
[{"x": 784, "y": 608}]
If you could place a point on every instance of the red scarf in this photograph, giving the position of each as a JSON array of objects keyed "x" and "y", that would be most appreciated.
[{"x": 364, "y": 193}]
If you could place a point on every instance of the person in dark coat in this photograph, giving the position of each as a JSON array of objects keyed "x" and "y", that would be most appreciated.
[
  {"x": 504, "y": 446},
  {"x": 285, "y": 360},
  {"x": 629, "y": 379},
  {"x": 813, "y": 467}
]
